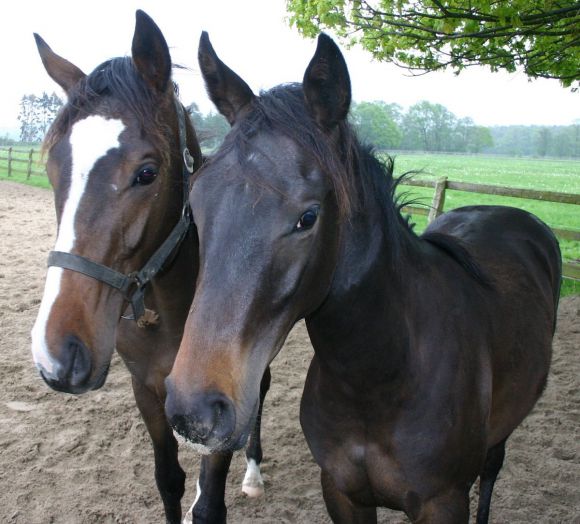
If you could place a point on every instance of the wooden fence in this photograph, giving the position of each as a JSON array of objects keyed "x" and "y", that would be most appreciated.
[
  {"x": 441, "y": 185},
  {"x": 23, "y": 161}
]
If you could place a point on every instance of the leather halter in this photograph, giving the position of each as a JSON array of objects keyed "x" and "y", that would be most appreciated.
[{"x": 133, "y": 285}]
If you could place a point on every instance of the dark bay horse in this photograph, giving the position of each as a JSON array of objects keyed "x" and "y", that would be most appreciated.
[
  {"x": 120, "y": 157},
  {"x": 429, "y": 350}
]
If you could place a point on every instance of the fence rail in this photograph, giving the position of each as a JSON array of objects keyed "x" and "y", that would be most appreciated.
[
  {"x": 30, "y": 157},
  {"x": 16, "y": 157}
]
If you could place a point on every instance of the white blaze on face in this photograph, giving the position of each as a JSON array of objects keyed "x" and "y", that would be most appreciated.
[{"x": 90, "y": 140}]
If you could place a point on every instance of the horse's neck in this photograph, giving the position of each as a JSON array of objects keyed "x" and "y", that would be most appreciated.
[
  {"x": 362, "y": 325},
  {"x": 171, "y": 291}
]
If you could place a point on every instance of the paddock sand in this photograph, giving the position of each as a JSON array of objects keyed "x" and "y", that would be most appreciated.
[{"x": 67, "y": 459}]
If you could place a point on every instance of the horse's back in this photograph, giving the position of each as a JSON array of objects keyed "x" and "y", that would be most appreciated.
[
  {"x": 510, "y": 245},
  {"x": 520, "y": 259}
]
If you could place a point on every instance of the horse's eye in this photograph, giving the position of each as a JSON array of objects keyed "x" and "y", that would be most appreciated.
[
  {"x": 307, "y": 220},
  {"x": 145, "y": 176}
]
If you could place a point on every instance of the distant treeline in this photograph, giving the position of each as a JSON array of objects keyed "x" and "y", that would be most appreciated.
[
  {"x": 423, "y": 127},
  {"x": 7, "y": 141},
  {"x": 429, "y": 127},
  {"x": 540, "y": 141}
]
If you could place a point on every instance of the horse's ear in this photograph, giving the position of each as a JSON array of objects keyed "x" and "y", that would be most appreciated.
[
  {"x": 230, "y": 94},
  {"x": 65, "y": 74},
  {"x": 150, "y": 52},
  {"x": 327, "y": 84}
]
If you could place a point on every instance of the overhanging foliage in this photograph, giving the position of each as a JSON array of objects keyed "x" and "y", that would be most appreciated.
[{"x": 540, "y": 36}]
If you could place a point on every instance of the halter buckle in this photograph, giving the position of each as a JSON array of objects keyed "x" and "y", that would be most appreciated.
[{"x": 188, "y": 160}]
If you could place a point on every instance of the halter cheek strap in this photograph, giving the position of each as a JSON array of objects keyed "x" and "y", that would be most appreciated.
[{"x": 132, "y": 286}]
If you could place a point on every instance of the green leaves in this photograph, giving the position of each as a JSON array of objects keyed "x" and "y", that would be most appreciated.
[
  {"x": 378, "y": 123},
  {"x": 539, "y": 36}
]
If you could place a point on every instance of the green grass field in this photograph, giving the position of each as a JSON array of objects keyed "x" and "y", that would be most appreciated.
[
  {"x": 543, "y": 175},
  {"x": 19, "y": 168}
]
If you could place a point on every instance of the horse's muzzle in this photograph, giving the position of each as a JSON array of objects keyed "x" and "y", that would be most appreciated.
[
  {"x": 209, "y": 420},
  {"x": 72, "y": 372}
]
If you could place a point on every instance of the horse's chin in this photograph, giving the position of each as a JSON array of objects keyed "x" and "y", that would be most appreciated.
[
  {"x": 239, "y": 441},
  {"x": 100, "y": 382},
  {"x": 80, "y": 389},
  {"x": 202, "y": 449},
  {"x": 233, "y": 443}
]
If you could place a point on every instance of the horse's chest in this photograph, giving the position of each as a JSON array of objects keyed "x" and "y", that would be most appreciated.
[
  {"x": 363, "y": 471},
  {"x": 359, "y": 467},
  {"x": 382, "y": 461},
  {"x": 148, "y": 354}
]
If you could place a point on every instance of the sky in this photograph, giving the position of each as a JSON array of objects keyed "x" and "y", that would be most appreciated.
[{"x": 254, "y": 38}]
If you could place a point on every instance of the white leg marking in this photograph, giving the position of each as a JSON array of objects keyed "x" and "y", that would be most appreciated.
[
  {"x": 188, "y": 519},
  {"x": 90, "y": 140},
  {"x": 253, "y": 485}
]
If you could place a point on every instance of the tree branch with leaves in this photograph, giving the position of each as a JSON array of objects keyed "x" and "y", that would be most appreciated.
[{"x": 540, "y": 36}]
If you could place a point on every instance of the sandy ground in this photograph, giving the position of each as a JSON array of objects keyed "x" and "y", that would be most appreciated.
[{"x": 67, "y": 459}]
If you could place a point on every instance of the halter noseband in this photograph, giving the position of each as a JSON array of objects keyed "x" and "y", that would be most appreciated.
[{"x": 133, "y": 285}]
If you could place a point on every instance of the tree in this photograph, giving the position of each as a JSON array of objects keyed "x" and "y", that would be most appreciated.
[
  {"x": 195, "y": 115},
  {"x": 429, "y": 127},
  {"x": 479, "y": 139},
  {"x": 47, "y": 107},
  {"x": 543, "y": 139},
  {"x": 36, "y": 114},
  {"x": 210, "y": 129},
  {"x": 558, "y": 141},
  {"x": 470, "y": 138},
  {"x": 215, "y": 128},
  {"x": 28, "y": 130},
  {"x": 376, "y": 123},
  {"x": 6, "y": 140},
  {"x": 563, "y": 144},
  {"x": 540, "y": 36}
]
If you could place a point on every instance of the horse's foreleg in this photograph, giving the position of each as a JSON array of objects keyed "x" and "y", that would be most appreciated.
[
  {"x": 451, "y": 507},
  {"x": 209, "y": 505},
  {"x": 340, "y": 508},
  {"x": 253, "y": 485},
  {"x": 169, "y": 476},
  {"x": 493, "y": 463}
]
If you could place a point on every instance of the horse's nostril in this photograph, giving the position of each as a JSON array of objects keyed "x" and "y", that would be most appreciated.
[
  {"x": 210, "y": 419},
  {"x": 179, "y": 424},
  {"x": 79, "y": 368},
  {"x": 71, "y": 368}
]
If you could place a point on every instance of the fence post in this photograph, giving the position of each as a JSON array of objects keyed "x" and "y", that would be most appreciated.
[
  {"x": 29, "y": 169},
  {"x": 438, "y": 199},
  {"x": 10, "y": 161}
]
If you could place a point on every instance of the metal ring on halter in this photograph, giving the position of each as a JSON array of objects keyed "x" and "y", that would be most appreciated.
[{"x": 188, "y": 160}]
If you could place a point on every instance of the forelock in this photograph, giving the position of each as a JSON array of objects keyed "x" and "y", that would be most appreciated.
[
  {"x": 115, "y": 88},
  {"x": 283, "y": 110}
]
